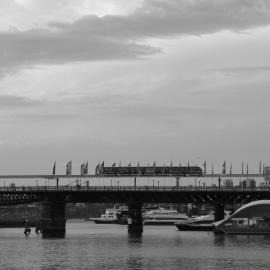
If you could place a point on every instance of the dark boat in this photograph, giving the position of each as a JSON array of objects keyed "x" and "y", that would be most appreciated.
[{"x": 201, "y": 223}]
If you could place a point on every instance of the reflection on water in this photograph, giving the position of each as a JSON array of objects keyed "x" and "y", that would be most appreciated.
[
  {"x": 219, "y": 240},
  {"x": 90, "y": 246}
]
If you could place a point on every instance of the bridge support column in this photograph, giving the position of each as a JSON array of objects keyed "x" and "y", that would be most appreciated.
[
  {"x": 53, "y": 218},
  {"x": 135, "y": 222},
  {"x": 219, "y": 211}
]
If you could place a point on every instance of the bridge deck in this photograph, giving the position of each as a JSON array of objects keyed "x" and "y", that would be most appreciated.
[
  {"x": 73, "y": 188},
  {"x": 54, "y": 176},
  {"x": 122, "y": 194}
]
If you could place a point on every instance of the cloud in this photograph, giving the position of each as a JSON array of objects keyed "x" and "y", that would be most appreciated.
[
  {"x": 93, "y": 38},
  {"x": 242, "y": 70},
  {"x": 48, "y": 117},
  {"x": 159, "y": 18},
  {"x": 46, "y": 47},
  {"x": 8, "y": 101}
]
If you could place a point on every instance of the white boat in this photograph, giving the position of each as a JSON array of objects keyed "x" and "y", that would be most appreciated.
[
  {"x": 162, "y": 216},
  {"x": 110, "y": 216},
  {"x": 114, "y": 215}
]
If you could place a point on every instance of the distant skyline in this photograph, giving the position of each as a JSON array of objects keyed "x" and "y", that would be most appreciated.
[{"x": 129, "y": 81}]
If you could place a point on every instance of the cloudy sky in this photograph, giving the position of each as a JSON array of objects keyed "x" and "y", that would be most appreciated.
[{"x": 133, "y": 81}]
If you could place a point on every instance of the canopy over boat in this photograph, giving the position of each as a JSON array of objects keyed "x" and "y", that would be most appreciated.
[{"x": 259, "y": 208}]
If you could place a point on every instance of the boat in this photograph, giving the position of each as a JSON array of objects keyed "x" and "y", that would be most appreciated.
[
  {"x": 115, "y": 215},
  {"x": 110, "y": 217},
  {"x": 162, "y": 216},
  {"x": 200, "y": 223},
  {"x": 252, "y": 218}
]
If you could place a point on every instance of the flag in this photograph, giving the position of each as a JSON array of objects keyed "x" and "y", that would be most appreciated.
[
  {"x": 97, "y": 169},
  {"x": 204, "y": 166},
  {"x": 69, "y": 168},
  {"x": 54, "y": 168},
  {"x": 154, "y": 165},
  {"x": 231, "y": 169},
  {"x": 101, "y": 167},
  {"x": 85, "y": 169},
  {"x": 82, "y": 169},
  {"x": 224, "y": 167},
  {"x": 113, "y": 164}
]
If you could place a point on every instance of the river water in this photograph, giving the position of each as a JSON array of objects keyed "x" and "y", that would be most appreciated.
[{"x": 91, "y": 246}]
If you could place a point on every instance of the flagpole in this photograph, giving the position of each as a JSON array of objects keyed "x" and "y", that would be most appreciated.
[{"x": 212, "y": 171}]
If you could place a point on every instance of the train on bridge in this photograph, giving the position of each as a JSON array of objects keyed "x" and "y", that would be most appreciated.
[{"x": 176, "y": 171}]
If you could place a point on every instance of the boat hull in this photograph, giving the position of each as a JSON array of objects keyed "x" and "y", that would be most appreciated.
[
  {"x": 105, "y": 221},
  {"x": 191, "y": 227},
  {"x": 244, "y": 230},
  {"x": 160, "y": 222}
]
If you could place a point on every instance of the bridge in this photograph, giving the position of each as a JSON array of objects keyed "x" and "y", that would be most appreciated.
[
  {"x": 64, "y": 176},
  {"x": 54, "y": 200}
]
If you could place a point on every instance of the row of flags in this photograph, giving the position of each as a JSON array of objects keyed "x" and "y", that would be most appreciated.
[
  {"x": 224, "y": 168},
  {"x": 84, "y": 168}
]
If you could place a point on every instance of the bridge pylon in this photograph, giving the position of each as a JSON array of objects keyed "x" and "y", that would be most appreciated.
[
  {"x": 53, "y": 217},
  {"x": 135, "y": 221},
  {"x": 219, "y": 211}
]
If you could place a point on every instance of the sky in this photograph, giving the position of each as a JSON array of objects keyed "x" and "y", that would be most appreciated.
[{"x": 129, "y": 81}]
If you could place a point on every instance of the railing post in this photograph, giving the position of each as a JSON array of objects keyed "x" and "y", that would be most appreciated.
[{"x": 177, "y": 184}]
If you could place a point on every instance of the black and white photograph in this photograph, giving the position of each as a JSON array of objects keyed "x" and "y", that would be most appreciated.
[{"x": 134, "y": 135}]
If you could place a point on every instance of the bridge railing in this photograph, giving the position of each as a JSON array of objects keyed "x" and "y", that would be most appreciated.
[{"x": 128, "y": 188}]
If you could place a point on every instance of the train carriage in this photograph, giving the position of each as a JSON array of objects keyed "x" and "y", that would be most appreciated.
[{"x": 150, "y": 171}]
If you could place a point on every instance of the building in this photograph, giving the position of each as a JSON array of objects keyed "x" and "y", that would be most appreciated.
[
  {"x": 266, "y": 173},
  {"x": 228, "y": 183},
  {"x": 248, "y": 183}
]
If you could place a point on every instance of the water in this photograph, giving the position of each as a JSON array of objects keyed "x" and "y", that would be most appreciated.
[{"x": 90, "y": 246}]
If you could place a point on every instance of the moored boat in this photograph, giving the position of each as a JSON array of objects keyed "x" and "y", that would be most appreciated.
[
  {"x": 201, "y": 223},
  {"x": 162, "y": 216},
  {"x": 109, "y": 217},
  {"x": 112, "y": 216}
]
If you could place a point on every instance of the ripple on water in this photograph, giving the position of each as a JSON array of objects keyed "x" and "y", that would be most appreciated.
[{"x": 90, "y": 246}]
